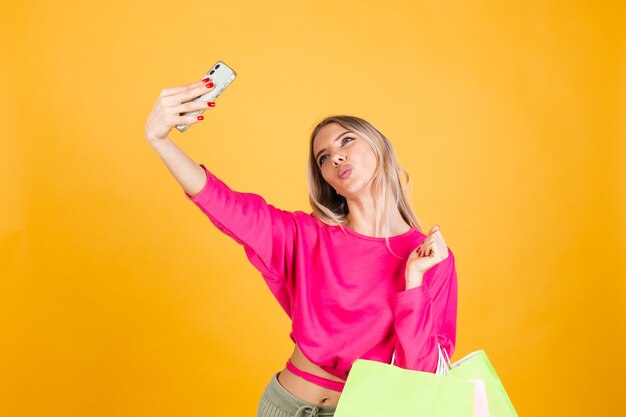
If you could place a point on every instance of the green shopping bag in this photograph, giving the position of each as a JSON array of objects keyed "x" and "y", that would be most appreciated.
[
  {"x": 376, "y": 389},
  {"x": 469, "y": 387},
  {"x": 476, "y": 367}
]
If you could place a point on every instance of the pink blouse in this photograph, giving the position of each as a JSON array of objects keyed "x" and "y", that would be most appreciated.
[{"x": 343, "y": 291}]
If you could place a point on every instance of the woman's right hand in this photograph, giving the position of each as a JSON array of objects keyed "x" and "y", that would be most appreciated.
[{"x": 171, "y": 103}]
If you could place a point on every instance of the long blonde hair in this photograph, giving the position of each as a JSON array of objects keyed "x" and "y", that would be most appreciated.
[{"x": 387, "y": 185}]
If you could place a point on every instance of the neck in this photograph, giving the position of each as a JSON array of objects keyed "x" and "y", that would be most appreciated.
[{"x": 362, "y": 219}]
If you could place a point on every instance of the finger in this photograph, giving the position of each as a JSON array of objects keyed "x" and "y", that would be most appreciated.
[
  {"x": 420, "y": 248},
  {"x": 193, "y": 105},
  {"x": 190, "y": 95},
  {"x": 432, "y": 231},
  {"x": 438, "y": 247},
  {"x": 190, "y": 119},
  {"x": 166, "y": 92},
  {"x": 441, "y": 251},
  {"x": 431, "y": 249},
  {"x": 184, "y": 87},
  {"x": 430, "y": 240},
  {"x": 424, "y": 250},
  {"x": 444, "y": 250},
  {"x": 436, "y": 234},
  {"x": 427, "y": 250},
  {"x": 424, "y": 243},
  {"x": 442, "y": 245},
  {"x": 433, "y": 252},
  {"x": 438, "y": 239},
  {"x": 186, "y": 96},
  {"x": 439, "y": 236}
]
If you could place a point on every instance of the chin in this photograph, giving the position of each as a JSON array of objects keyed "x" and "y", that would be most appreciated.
[{"x": 351, "y": 192}]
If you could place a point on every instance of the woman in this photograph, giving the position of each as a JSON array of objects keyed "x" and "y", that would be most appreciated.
[{"x": 356, "y": 276}]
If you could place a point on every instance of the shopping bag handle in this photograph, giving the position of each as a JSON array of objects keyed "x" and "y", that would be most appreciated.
[{"x": 443, "y": 361}]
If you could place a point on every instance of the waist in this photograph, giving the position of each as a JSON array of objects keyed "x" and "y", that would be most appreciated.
[
  {"x": 306, "y": 390},
  {"x": 315, "y": 379}
]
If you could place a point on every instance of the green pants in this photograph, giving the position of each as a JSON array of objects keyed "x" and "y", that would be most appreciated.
[{"x": 276, "y": 401}]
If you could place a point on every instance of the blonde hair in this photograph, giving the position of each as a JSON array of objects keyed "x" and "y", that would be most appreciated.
[{"x": 387, "y": 185}]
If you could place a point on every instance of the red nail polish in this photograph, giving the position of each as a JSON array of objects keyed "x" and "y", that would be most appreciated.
[
  {"x": 200, "y": 117},
  {"x": 206, "y": 80},
  {"x": 211, "y": 104},
  {"x": 209, "y": 85}
]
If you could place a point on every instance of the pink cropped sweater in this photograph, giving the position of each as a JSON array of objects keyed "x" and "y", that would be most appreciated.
[{"x": 343, "y": 291}]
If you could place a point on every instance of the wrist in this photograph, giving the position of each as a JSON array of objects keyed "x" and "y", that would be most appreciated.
[
  {"x": 414, "y": 279},
  {"x": 156, "y": 142}
]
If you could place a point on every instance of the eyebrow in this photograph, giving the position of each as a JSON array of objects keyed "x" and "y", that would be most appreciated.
[{"x": 336, "y": 139}]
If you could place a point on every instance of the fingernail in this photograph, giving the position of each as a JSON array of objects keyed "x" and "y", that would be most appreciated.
[
  {"x": 211, "y": 104},
  {"x": 209, "y": 85},
  {"x": 206, "y": 80},
  {"x": 200, "y": 117}
]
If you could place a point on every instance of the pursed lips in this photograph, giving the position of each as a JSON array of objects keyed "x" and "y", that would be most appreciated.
[{"x": 344, "y": 171}]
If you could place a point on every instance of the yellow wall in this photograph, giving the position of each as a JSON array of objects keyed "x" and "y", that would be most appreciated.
[{"x": 119, "y": 298}]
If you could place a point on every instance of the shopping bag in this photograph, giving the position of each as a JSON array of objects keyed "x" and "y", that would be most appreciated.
[
  {"x": 490, "y": 398},
  {"x": 376, "y": 389},
  {"x": 468, "y": 387}
]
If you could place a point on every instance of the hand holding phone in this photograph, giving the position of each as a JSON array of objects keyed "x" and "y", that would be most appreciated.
[
  {"x": 221, "y": 76},
  {"x": 180, "y": 106}
]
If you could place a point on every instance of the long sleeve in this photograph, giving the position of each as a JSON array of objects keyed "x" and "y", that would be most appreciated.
[
  {"x": 426, "y": 315},
  {"x": 266, "y": 233}
]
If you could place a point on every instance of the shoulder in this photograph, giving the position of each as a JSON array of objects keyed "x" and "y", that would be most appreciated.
[
  {"x": 300, "y": 219},
  {"x": 311, "y": 225}
]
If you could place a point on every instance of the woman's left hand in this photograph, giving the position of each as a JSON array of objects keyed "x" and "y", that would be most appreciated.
[{"x": 432, "y": 251}]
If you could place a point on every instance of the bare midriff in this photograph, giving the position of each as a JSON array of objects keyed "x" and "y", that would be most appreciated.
[{"x": 306, "y": 390}]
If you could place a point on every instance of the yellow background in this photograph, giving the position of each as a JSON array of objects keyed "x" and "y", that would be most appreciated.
[{"x": 119, "y": 298}]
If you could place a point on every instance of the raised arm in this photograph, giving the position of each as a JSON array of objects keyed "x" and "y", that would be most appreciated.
[
  {"x": 187, "y": 172},
  {"x": 164, "y": 116},
  {"x": 426, "y": 312},
  {"x": 425, "y": 316},
  {"x": 266, "y": 232}
]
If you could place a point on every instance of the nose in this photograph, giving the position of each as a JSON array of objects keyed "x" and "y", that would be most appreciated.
[{"x": 338, "y": 158}]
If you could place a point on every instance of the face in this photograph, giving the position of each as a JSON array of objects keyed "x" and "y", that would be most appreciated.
[{"x": 339, "y": 151}]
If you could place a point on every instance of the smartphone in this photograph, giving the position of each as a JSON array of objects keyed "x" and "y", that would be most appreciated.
[{"x": 221, "y": 75}]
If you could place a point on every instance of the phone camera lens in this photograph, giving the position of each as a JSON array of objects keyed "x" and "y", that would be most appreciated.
[
  {"x": 211, "y": 73},
  {"x": 217, "y": 66}
]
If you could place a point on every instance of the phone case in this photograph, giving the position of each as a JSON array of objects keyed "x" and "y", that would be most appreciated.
[{"x": 221, "y": 75}]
